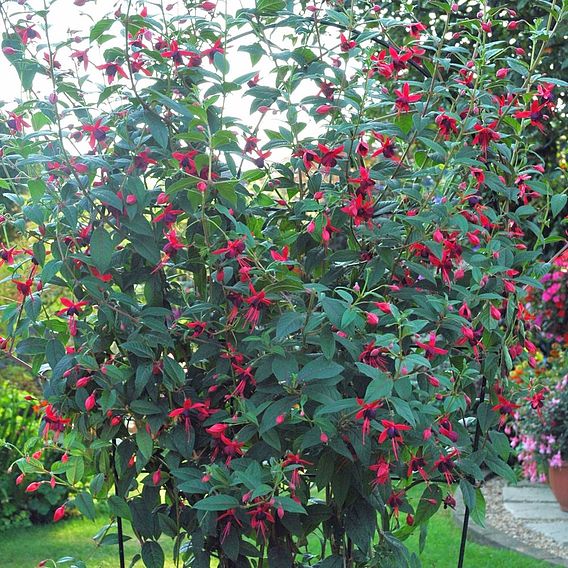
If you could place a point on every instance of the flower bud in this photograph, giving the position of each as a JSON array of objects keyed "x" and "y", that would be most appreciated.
[{"x": 59, "y": 513}]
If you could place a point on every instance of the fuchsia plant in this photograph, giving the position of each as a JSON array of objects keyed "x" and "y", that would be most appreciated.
[{"x": 275, "y": 324}]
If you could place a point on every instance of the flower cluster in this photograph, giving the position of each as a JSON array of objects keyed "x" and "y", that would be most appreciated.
[{"x": 539, "y": 432}]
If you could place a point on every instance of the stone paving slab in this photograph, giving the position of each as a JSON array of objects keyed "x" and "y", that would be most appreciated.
[
  {"x": 556, "y": 530},
  {"x": 528, "y": 493},
  {"x": 531, "y": 510}
]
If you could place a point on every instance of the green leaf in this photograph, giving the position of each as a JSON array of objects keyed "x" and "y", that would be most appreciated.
[
  {"x": 268, "y": 7},
  {"x": 217, "y": 503},
  {"x": 144, "y": 443},
  {"x": 152, "y": 555},
  {"x": 174, "y": 371},
  {"x": 100, "y": 28},
  {"x": 289, "y": 323},
  {"x": 158, "y": 129},
  {"x": 37, "y": 189},
  {"x": 119, "y": 507},
  {"x": 320, "y": 368},
  {"x": 557, "y": 203},
  {"x": 101, "y": 249},
  {"x": 84, "y": 502}
]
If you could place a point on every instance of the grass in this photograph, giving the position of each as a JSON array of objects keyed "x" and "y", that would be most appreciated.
[{"x": 25, "y": 548}]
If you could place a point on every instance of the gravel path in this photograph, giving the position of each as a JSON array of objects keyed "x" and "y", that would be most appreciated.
[{"x": 499, "y": 517}]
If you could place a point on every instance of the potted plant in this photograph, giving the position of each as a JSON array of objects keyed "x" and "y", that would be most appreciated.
[{"x": 542, "y": 428}]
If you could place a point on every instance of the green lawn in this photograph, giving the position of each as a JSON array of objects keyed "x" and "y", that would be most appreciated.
[{"x": 25, "y": 548}]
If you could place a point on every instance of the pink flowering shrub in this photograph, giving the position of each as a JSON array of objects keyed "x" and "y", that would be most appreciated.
[
  {"x": 548, "y": 304},
  {"x": 539, "y": 432}
]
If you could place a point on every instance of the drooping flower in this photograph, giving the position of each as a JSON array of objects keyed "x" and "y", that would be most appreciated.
[
  {"x": 367, "y": 412},
  {"x": 430, "y": 347},
  {"x": 485, "y": 135},
  {"x": 392, "y": 432},
  {"x": 506, "y": 409},
  {"x": 256, "y": 302},
  {"x": 404, "y": 98},
  {"x": 111, "y": 70},
  {"x": 382, "y": 472},
  {"x": 536, "y": 114},
  {"x": 447, "y": 125},
  {"x": 97, "y": 131},
  {"x": 374, "y": 356},
  {"x": 261, "y": 516},
  {"x": 189, "y": 408}
]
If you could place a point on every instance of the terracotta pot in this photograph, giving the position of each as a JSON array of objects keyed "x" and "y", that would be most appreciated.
[{"x": 558, "y": 477}]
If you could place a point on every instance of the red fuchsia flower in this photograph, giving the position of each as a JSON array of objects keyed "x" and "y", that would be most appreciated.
[
  {"x": 27, "y": 34},
  {"x": 430, "y": 347},
  {"x": 365, "y": 181},
  {"x": 417, "y": 463},
  {"x": 71, "y": 308},
  {"x": 506, "y": 408},
  {"x": 24, "y": 288},
  {"x": 327, "y": 89},
  {"x": 233, "y": 249},
  {"x": 381, "y": 66},
  {"x": 392, "y": 432},
  {"x": 324, "y": 109},
  {"x": 446, "y": 465},
  {"x": 346, "y": 44},
  {"x": 142, "y": 160},
  {"x": 395, "y": 501},
  {"x": 102, "y": 277},
  {"x": 479, "y": 176},
  {"x": 280, "y": 256},
  {"x": 261, "y": 515},
  {"x": 7, "y": 254},
  {"x": 138, "y": 64},
  {"x": 327, "y": 230},
  {"x": 404, "y": 98},
  {"x": 536, "y": 114},
  {"x": 246, "y": 383},
  {"x": 387, "y": 148},
  {"x": 176, "y": 54},
  {"x": 16, "y": 122},
  {"x": 544, "y": 91},
  {"x": 485, "y": 135},
  {"x": 449, "y": 501},
  {"x": 90, "y": 402},
  {"x": 329, "y": 156},
  {"x": 295, "y": 461},
  {"x": 185, "y": 412},
  {"x": 59, "y": 513},
  {"x": 256, "y": 301},
  {"x": 446, "y": 125},
  {"x": 215, "y": 48},
  {"x": 112, "y": 70},
  {"x": 309, "y": 157},
  {"x": 446, "y": 429},
  {"x": 361, "y": 210},
  {"x": 97, "y": 132},
  {"x": 415, "y": 29},
  {"x": 53, "y": 422},
  {"x": 367, "y": 413},
  {"x": 382, "y": 472},
  {"x": 173, "y": 244},
  {"x": 230, "y": 519},
  {"x": 494, "y": 312},
  {"x": 198, "y": 328},
  {"x": 537, "y": 401},
  {"x": 362, "y": 149},
  {"x": 169, "y": 215},
  {"x": 373, "y": 356},
  {"x": 385, "y": 307},
  {"x": 186, "y": 161}
]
